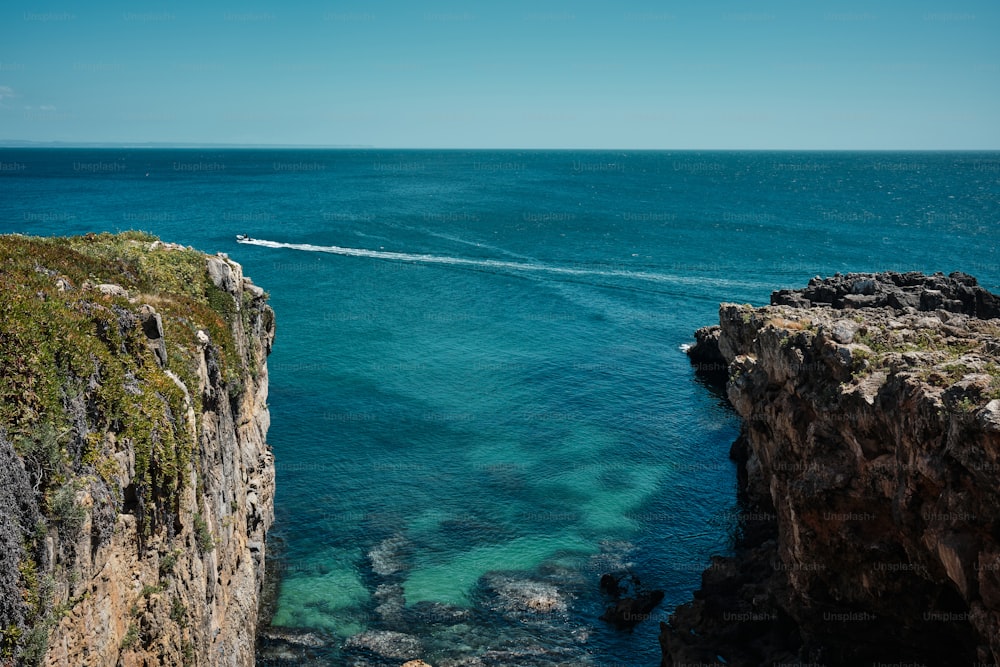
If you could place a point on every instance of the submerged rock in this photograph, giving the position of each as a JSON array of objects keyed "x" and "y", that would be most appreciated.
[
  {"x": 528, "y": 656},
  {"x": 437, "y": 613},
  {"x": 277, "y": 647},
  {"x": 386, "y": 643},
  {"x": 391, "y": 602},
  {"x": 514, "y": 593},
  {"x": 293, "y": 636},
  {"x": 389, "y": 556}
]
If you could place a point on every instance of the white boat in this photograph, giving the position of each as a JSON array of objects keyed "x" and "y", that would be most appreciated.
[{"x": 240, "y": 238}]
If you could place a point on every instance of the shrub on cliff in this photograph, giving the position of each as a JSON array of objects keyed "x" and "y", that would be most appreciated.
[{"x": 82, "y": 387}]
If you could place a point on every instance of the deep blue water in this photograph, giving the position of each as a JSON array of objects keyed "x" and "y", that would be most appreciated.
[{"x": 478, "y": 387}]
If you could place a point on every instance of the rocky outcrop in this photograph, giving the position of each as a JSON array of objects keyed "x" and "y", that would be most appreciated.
[
  {"x": 869, "y": 459},
  {"x": 631, "y": 603},
  {"x": 138, "y": 484},
  {"x": 955, "y": 293}
]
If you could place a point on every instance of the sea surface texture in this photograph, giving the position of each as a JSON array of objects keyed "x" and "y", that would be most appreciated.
[{"x": 479, "y": 397}]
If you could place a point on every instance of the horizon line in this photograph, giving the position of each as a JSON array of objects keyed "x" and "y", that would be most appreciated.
[{"x": 20, "y": 143}]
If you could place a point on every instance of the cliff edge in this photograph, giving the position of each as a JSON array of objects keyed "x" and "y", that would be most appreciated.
[
  {"x": 136, "y": 484},
  {"x": 868, "y": 465}
]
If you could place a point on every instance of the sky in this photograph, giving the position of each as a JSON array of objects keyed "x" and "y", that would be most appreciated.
[{"x": 625, "y": 74}]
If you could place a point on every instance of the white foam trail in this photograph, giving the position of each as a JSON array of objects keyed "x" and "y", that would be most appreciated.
[
  {"x": 494, "y": 264},
  {"x": 475, "y": 244}
]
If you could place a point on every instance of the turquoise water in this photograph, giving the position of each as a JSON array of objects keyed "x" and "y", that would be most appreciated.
[{"x": 478, "y": 385}]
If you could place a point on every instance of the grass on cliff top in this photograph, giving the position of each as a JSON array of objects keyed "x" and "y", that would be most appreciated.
[
  {"x": 79, "y": 381},
  {"x": 65, "y": 344},
  {"x": 947, "y": 354},
  {"x": 949, "y": 358},
  {"x": 173, "y": 281}
]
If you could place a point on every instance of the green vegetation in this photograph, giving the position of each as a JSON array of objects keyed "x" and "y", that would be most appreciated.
[
  {"x": 9, "y": 638},
  {"x": 947, "y": 358},
  {"x": 944, "y": 363},
  {"x": 178, "y": 612},
  {"x": 883, "y": 342},
  {"x": 38, "y": 597},
  {"x": 60, "y": 340},
  {"x": 149, "y": 590},
  {"x": 203, "y": 535},
  {"x": 48, "y": 336},
  {"x": 877, "y": 341},
  {"x": 131, "y": 638},
  {"x": 66, "y": 513},
  {"x": 861, "y": 360},
  {"x": 36, "y": 643},
  {"x": 167, "y": 563},
  {"x": 42, "y": 454},
  {"x": 79, "y": 384},
  {"x": 993, "y": 369},
  {"x": 966, "y": 405}
]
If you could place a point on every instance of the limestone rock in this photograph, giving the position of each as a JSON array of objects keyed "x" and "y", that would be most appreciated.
[
  {"x": 843, "y": 331},
  {"x": 871, "y": 438},
  {"x": 957, "y": 292},
  {"x": 225, "y": 274},
  {"x": 152, "y": 326},
  {"x": 110, "y": 289},
  {"x": 253, "y": 290},
  {"x": 133, "y": 575}
]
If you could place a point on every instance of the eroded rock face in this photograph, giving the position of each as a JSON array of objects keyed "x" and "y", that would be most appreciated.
[
  {"x": 870, "y": 439},
  {"x": 133, "y": 571},
  {"x": 19, "y": 516}
]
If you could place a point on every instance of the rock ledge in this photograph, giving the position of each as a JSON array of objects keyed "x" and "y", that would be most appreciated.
[{"x": 869, "y": 462}]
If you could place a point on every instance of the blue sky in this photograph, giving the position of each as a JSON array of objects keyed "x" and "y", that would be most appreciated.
[{"x": 518, "y": 74}]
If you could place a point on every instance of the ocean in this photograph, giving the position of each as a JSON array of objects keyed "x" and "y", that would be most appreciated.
[{"x": 479, "y": 397}]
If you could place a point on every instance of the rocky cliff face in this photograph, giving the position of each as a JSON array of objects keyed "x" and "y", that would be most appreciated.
[
  {"x": 137, "y": 484},
  {"x": 869, "y": 460}
]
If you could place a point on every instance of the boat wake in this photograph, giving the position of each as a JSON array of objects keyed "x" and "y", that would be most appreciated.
[{"x": 498, "y": 265}]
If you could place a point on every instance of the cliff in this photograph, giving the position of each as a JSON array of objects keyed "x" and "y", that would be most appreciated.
[
  {"x": 136, "y": 485},
  {"x": 868, "y": 466}
]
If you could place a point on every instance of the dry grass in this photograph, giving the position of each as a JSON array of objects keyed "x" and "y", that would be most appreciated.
[{"x": 794, "y": 325}]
